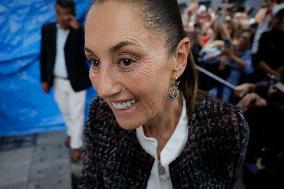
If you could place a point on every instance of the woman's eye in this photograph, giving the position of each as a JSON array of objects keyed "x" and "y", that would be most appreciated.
[
  {"x": 95, "y": 63},
  {"x": 126, "y": 62}
]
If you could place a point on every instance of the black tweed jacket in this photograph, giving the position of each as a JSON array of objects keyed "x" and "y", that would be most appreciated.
[{"x": 113, "y": 157}]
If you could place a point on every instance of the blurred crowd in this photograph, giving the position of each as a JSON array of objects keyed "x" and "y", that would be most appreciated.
[{"x": 245, "y": 48}]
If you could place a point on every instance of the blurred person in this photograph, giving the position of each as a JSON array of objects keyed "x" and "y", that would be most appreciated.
[
  {"x": 238, "y": 62},
  {"x": 263, "y": 103},
  {"x": 63, "y": 65},
  {"x": 191, "y": 12},
  {"x": 229, "y": 27},
  {"x": 204, "y": 22},
  {"x": 263, "y": 19},
  {"x": 223, "y": 10},
  {"x": 263, "y": 12},
  {"x": 220, "y": 30},
  {"x": 149, "y": 127},
  {"x": 211, "y": 57},
  {"x": 269, "y": 57},
  {"x": 217, "y": 35},
  {"x": 240, "y": 19}
]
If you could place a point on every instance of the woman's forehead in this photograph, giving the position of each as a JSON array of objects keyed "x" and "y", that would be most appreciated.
[
  {"x": 115, "y": 17},
  {"x": 114, "y": 11},
  {"x": 111, "y": 22}
]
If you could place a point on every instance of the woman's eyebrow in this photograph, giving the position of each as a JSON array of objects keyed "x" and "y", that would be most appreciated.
[
  {"x": 115, "y": 47},
  {"x": 88, "y": 50},
  {"x": 120, "y": 45}
]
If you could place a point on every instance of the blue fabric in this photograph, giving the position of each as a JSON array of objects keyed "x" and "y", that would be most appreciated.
[{"x": 24, "y": 108}]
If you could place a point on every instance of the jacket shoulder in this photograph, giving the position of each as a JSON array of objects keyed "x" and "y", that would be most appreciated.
[
  {"x": 225, "y": 121},
  {"x": 48, "y": 25},
  {"x": 221, "y": 123},
  {"x": 46, "y": 29},
  {"x": 217, "y": 140},
  {"x": 216, "y": 112}
]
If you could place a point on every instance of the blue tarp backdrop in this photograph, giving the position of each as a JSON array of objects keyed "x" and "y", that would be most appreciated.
[{"x": 24, "y": 108}]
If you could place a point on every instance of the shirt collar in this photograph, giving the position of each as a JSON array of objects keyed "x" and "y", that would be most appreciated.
[
  {"x": 174, "y": 145},
  {"x": 60, "y": 28}
]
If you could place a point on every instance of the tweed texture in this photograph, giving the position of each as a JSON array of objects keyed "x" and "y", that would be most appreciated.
[{"x": 213, "y": 154}]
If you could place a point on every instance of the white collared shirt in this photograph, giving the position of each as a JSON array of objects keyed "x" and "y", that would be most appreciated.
[
  {"x": 60, "y": 64},
  {"x": 160, "y": 174}
]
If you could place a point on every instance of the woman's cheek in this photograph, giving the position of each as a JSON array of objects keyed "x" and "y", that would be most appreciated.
[
  {"x": 147, "y": 68},
  {"x": 92, "y": 78}
]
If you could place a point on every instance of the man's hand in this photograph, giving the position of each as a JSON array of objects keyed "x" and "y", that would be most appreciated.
[
  {"x": 243, "y": 89},
  {"x": 44, "y": 86},
  {"x": 73, "y": 23},
  {"x": 251, "y": 100}
]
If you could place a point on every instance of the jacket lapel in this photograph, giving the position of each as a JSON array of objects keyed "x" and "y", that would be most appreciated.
[{"x": 53, "y": 35}]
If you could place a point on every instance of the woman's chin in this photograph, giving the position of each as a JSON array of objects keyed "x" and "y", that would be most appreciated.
[{"x": 128, "y": 124}]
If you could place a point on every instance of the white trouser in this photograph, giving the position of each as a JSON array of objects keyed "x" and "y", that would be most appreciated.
[{"x": 72, "y": 106}]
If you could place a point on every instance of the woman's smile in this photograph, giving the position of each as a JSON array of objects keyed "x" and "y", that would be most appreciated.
[
  {"x": 125, "y": 108},
  {"x": 124, "y": 105}
]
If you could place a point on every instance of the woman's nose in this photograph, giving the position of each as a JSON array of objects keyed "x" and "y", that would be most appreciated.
[{"x": 106, "y": 84}]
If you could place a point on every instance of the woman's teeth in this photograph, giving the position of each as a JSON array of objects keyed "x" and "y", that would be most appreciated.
[{"x": 124, "y": 105}]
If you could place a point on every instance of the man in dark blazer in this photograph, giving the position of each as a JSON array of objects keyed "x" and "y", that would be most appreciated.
[{"x": 63, "y": 65}]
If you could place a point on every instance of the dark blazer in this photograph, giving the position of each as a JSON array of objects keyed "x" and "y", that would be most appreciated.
[
  {"x": 215, "y": 149},
  {"x": 77, "y": 68}
]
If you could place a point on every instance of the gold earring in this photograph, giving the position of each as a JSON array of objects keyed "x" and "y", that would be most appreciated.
[{"x": 173, "y": 90}]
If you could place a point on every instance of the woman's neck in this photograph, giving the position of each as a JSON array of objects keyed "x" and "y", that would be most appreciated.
[{"x": 163, "y": 126}]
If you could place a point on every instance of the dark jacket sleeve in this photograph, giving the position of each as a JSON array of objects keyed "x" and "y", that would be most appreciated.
[
  {"x": 43, "y": 55},
  {"x": 262, "y": 55},
  {"x": 241, "y": 128},
  {"x": 227, "y": 149},
  {"x": 91, "y": 174}
]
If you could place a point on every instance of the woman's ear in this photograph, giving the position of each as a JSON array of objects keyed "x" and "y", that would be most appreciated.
[{"x": 182, "y": 53}]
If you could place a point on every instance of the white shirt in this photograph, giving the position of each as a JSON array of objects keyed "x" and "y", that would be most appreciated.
[
  {"x": 169, "y": 153},
  {"x": 60, "y": 65}
]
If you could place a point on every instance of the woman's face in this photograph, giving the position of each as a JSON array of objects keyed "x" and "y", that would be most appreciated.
[{"x": 131, "y": 69}]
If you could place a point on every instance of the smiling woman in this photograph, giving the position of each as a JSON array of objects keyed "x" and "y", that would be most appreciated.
[{"x": 149, "y": 128}]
